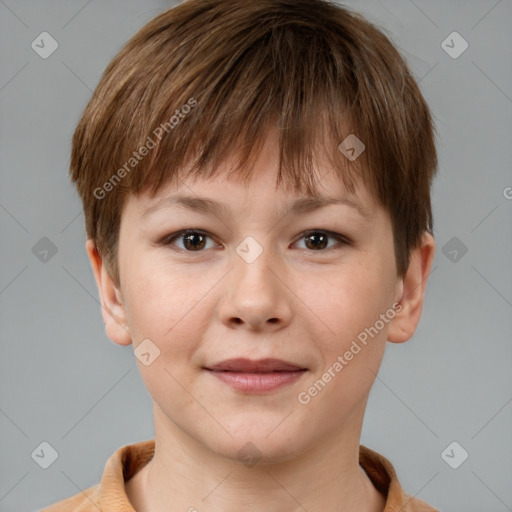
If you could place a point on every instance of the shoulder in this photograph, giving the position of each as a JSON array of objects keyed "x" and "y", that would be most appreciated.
[
  {"x": 384, "y": 478},
  {"x": 412, "y": 504},
  {"x": 84, "y": 501},
  {"x": 119, "y": 468}
]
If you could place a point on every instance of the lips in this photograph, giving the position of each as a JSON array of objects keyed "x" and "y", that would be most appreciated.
[
  {"x": 256, "y": 377},
  {"x": 251, "y": 366}
]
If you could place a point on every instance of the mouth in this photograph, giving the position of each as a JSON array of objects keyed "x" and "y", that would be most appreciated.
[{"x": 261, "y": 376}]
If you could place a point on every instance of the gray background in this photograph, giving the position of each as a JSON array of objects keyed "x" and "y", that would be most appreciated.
[{"x": 62, "y": 380}]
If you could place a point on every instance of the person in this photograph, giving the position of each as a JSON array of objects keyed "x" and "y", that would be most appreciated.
[{"x": 256, "y": 180}]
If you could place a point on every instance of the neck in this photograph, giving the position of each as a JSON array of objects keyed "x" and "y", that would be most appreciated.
[{"x": 186, "y": 476}]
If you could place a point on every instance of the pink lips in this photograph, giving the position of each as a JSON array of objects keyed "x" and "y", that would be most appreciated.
[{"x": 256, "y": 376}]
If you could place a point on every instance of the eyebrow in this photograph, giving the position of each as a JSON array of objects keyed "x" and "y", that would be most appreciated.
[{"x": 301, "y": 206}]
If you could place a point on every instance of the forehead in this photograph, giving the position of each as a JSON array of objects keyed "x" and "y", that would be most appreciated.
[{"x": 226, "y": 194}]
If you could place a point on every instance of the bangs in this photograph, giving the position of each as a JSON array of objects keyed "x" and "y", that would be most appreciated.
[{"x": 286, "y": 79}]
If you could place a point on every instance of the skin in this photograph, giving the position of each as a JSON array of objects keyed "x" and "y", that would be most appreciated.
[{"x": 294, "y": 302}]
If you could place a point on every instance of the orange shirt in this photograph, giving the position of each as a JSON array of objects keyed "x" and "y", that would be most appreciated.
[{"x": 110, "y": 496}]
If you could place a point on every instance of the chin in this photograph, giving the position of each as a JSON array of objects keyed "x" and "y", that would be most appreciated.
[{"x": 252, "y": 444}]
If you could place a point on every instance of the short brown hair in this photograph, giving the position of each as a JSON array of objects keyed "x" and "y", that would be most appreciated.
[{"x": 310, "y": 68}]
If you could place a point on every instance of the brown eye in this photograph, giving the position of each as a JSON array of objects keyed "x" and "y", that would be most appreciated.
[
  {"x": 192, "y": 240},
  {"x": 318, "y": 240}
]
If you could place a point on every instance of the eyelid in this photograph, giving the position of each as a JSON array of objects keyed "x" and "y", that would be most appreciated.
[
  {"x": 339, "y": 236},
  {"x": 168, "y": 239},
  {"x": 343, "y": 240}
]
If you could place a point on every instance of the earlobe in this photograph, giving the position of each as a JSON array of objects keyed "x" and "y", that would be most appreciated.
[
  {"x": 405, "y": 322},
  {"x": 112, "y": 307}
]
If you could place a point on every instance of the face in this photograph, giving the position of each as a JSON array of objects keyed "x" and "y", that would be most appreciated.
[{"x": 252, "y": 280}]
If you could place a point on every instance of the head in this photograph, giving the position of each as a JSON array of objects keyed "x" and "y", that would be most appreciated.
[{"x": 248, "y": 104}]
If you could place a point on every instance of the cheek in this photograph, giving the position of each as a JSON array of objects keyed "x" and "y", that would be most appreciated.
[
  {"x": 160, "y": 303},
  {"x": 351, "y": 300},
  {"x": 352, "y": 350}
]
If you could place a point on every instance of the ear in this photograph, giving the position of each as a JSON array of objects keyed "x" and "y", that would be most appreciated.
[
  {"x": 414, "y": 282},
  {"x": 112, "y": 306}
]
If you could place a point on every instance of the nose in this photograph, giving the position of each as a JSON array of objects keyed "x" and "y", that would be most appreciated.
[{"x": 255, "y": 295}]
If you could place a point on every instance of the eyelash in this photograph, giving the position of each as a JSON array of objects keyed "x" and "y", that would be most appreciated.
[{"x": 168, "y": 240}]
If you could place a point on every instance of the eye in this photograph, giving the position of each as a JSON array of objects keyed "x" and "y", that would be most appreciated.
[
  {"x": 194, "y": 240},
  {"x": 317, "y": 239}
]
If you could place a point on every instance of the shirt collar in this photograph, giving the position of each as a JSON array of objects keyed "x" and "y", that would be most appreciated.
[{"x": 129, "y": 459}]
